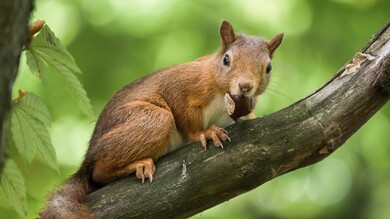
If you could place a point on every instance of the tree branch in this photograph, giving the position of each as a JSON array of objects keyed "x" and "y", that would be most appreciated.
[
  {"x": 191, "y": 180},
  {"x": 13, "y": 36}
]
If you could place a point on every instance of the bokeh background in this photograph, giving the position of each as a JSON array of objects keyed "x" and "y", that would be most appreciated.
[{"x": 117, "y": 41}]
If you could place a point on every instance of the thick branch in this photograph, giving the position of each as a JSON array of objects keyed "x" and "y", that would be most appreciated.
[
  {"x": 191, "y": 180},
  {"x": 13, "y": 35}
]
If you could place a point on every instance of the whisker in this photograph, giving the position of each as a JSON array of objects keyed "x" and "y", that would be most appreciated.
[{"x": 281, "y": 94}]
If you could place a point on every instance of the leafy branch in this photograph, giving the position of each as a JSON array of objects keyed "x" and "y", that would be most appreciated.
[
  {"x": 30, "y": 118},
  {"x": 46, "y": 50}
]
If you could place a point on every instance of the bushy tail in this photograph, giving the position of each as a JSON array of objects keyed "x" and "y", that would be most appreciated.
[{"x": 68, "y": 201}]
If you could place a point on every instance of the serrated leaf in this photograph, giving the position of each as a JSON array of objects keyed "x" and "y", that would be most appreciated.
[
  {"x": 49, "y": 155},
  {"x": 37, "y": 65},
  {"x": 22, "y": 134},
  {"x": 33, "y": 105},
  {"x": 14, "y": 188},
  {"x": 74, "y": 86},
  {"x": 46, "y": 49},
  {"x": 47, "y": 43},
  {"x": 34, "y": 136},
  {"x": 43, "y": 142}
]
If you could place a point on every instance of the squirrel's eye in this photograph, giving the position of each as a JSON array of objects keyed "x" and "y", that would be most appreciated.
[
  {"x": 269, "y": 68},
  {"x": 226, "y": 60}
]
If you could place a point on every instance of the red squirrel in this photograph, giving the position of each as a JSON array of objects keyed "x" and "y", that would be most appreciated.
[{"x": 159, "y": 113}]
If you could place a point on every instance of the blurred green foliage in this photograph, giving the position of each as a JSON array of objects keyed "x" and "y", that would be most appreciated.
[{"x": 117, "y": 41}]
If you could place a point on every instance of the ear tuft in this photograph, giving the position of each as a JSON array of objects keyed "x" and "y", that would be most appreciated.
[
  {"x": 274, "y": 43},
  {"x": 227, "y": 34}
]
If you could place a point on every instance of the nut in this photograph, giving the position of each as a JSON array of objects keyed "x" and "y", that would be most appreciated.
[{"x": 238, "y": 105}]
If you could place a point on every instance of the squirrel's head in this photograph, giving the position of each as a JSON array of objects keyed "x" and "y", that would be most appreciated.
[{"x": 245, "y": 61}]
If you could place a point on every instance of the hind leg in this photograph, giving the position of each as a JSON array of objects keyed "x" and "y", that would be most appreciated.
[{"x": 132, "y": 146}]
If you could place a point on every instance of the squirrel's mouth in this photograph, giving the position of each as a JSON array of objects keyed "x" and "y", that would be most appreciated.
[{"x": 240, "y": 94}]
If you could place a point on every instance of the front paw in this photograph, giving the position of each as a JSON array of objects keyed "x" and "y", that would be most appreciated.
[{"x": 214, "y": 133}]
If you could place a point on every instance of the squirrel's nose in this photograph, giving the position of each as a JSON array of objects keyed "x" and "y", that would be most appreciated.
[{"x": 245, "y": 87}]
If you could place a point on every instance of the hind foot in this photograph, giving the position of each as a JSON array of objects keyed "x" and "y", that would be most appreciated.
[{"x": 143, "y": 169}]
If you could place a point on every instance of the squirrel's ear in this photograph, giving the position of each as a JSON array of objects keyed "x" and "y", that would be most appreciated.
[
  {"x": 274, "y": 43},
  {"x": 227, "y": 34}
]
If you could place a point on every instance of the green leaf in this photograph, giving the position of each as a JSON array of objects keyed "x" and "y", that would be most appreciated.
[
  {"x": 47, "y": 43},
  {"x": 73, "y": 84},
  {"x": 33, "y": 105},
  {"x": 46, "y": 49},
  {"x": 48, "y": 153},
  {"x": 37, "y": 65},
  {"x": 22, "y": 134},
  {"x": 30, "y": 135},
  {"x": 43, "y": 143},
  {"x": 14, "y": 188}
]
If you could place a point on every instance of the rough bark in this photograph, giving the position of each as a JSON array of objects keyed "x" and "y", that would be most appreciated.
[
  {"x": 14, "y": 16},
  {"x": 191, "y": 180}
]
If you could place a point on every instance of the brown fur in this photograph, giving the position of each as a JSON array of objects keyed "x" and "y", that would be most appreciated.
[{"x": 136, "y": 126}]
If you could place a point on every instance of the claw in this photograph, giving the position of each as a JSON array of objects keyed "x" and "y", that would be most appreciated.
[
  {"x": 150, "y": 176},
  {"x": 225, "y": 137},
  {"x": 140, "y": 172},
  {"x": 224, "y": 130},
  {"x": 141, "y": 176},
  {"x": 215, "y": 139},
  {"x": 228, "y": 138},
  {"x": 203, "y": 141}
]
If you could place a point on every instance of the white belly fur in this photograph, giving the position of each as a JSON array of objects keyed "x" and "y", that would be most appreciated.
[
  {"x": 176, "y": 140},
  {"x": 214, "y": 114}
]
